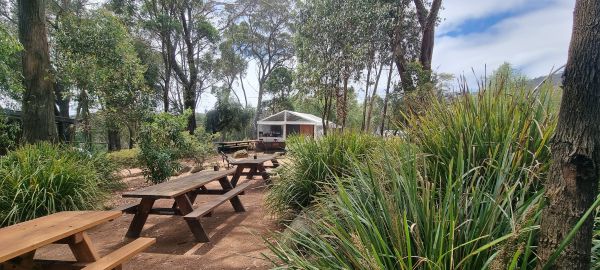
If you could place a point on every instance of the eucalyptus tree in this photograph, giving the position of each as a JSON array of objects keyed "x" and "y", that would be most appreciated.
[
  {"x": 188, "y": 39},
  {"x": 194, "y": 37},
  {"x": 57, "y": 10},
  {"x": 428, "y": 19},
  {"x": 10, "y": 80},
  {"x": 378, "y": 26},
  {"x": 228, "y": 68},
  {"x": 38, "y": 97},
  {"x": 279, "y": 87},
  {"x": 334, "y": 45},
  {"x": 100, "y": 64},
  {"x": 263, "y": 33}
]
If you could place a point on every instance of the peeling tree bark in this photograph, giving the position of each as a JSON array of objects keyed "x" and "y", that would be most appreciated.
[
  {"x": 38, "y": 100},
  {"x": 572, "y": 184}
]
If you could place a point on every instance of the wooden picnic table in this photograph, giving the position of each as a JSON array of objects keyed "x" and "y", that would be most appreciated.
[
  {"x": 18, "y": 243},
  {"x": 256, "y": 166},
  {"x": 235, "y": 144},
  {"x": 184, "y": 192}
]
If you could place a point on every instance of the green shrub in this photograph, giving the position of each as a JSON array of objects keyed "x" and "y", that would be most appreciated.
[
  {"x": 159, "y": 141},
  {"x": 9, "y": 134},
  {"x": 126, "y": 158},
  {"x": 314, "y": 163},
  {"x": 163, "y": 141},
  {"x": 198, "y": 147},
  {"x": 40, "y": 179}
]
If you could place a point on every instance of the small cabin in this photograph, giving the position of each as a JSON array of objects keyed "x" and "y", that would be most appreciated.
[{"x": 274, "y": 129}]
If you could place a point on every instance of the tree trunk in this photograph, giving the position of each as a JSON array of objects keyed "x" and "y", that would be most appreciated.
[
  {"x": 364, "y": 115},
  {"x": 131, "y": 136},
  {"x": 114, "y": 138},
  {"x": 427, "y": 20},
  {"x": 572, "y": 183},
  {"x": 189, "y": 102},
  {"x": 345, "y": 99},
  {"x": 38, "y": 100},
  {"x": 369, "y": 114},
  {"x": 167, "y": 70},
  {"x": 258, "y": 109},
  {"x": 62, "y": 110},
  {"x": 243, "y": 90},
  {"x": 83, "y": 117},
  {"x": 385, "y": 100}
]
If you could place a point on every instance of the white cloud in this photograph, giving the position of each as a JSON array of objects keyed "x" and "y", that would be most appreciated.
[
  {"x": 532, "y": 41},
  {"x": 455, "y": 12}
]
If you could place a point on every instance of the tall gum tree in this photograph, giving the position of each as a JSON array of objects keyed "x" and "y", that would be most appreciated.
[
  {"x": 38, "y": 98},
  {"x": 263, "y": 34},
  {"x": 572, "y": 184}
]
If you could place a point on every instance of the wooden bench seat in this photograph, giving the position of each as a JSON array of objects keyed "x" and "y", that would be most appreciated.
[
  {"x": 115, "y": 259},
  {"x": 218, "y": 200}
]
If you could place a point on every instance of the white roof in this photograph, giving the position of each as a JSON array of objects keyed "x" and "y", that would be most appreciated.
[{"x": 291, "y": 117}]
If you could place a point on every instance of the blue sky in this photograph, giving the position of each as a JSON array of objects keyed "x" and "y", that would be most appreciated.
[
  {"x": 532, "y": 35},
  {"x": 479, "y": 35}
]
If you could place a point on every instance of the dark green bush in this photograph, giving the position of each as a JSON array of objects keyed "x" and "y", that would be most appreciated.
[
  {"x": 159, "y": 141},
  {"x": 40, "y": 179},
  {"x": 199, "y": 146},
  {"x": 163, "y": 141},
  {"x": 9, "y": 134}
]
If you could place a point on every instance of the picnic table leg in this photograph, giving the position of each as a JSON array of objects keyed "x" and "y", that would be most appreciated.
[
  {"x": 23, "y": 262},
  {"x": 263, "y": 172},
  {"x": 275, "y": 163},
  {"x": 235, "y": 201},
  {"x": 252, "y": 172},
  {"x": 185, "y": 206},
  {"x": 82, "y": 247},
  {"x": 191, "y": 196},
  {"x": 236, "y": 176},
  {"x": 140, "y": 217}
]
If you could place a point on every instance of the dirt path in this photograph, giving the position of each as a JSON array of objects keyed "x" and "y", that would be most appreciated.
[{"x": 236, "y": 238}]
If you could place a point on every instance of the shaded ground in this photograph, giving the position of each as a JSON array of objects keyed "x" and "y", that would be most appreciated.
[{"x": 236, "y": 238}]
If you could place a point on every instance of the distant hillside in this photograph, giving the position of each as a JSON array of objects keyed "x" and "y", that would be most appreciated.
[{"x": 556, "y": 80}]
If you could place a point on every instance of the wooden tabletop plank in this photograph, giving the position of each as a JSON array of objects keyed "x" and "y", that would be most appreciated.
[
  {"x": 176, "y": 187},
  {"x": 24, "y": 237},
  {"x": 237, "y": 142},
  {"x": 258, "y": 160}
]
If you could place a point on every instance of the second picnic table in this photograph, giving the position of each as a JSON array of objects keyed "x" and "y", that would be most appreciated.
[
  {"x": 184, "y": 191},
  {"x": 18, "y": 243},
  {"x": 256, "y": 166}
]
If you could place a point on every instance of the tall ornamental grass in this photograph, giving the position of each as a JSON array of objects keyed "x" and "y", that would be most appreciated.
[
  {"x": 40, "y": 179},
  {"x": 505, "y": 126},
  {"x": 314, "y": 164},
  {"x": 464, "y": 193}
]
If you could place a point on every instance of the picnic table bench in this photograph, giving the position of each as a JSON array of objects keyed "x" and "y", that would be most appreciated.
[
  {"x": 184, "y": 192},
  {"x": 235, "y": 145},
  {"x": 256, "y": 166},
  {"x": 18, "y": 243}
]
